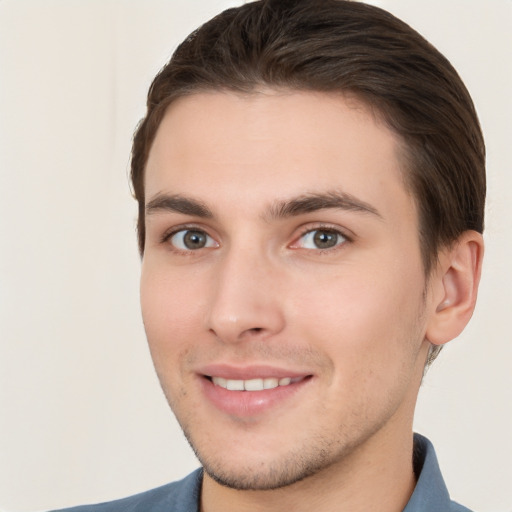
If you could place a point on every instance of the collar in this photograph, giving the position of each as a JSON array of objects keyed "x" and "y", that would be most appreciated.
[{"x": 430, "y": 492}]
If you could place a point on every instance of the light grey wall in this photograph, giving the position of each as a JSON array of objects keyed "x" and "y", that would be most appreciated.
[{"x": 82, "y": 418}]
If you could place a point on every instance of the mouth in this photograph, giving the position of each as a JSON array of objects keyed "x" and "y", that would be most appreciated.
[
  {"x": 257, "y": 384},
  {"x": 253, "y": 395}
]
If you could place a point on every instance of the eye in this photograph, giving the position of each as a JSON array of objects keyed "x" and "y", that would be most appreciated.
[
  {"x": 191, "y": 240},
  {"x": 321, "y": 239}
]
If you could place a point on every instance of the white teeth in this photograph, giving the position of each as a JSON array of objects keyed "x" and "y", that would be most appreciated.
[
  {"x": 252, "y": 384},
  {"x": 270, "y": 383},
  {"x": 223, "y": 383},
  {"x": 235, "y": 385}
]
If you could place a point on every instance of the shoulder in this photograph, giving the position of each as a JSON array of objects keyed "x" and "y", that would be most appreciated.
[{"x": 182, "y": 496}]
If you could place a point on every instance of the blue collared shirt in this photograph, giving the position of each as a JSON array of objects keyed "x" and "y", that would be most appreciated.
[{"x": 430, "y": 493}]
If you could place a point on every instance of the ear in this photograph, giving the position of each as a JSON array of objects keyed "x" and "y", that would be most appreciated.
[{"x": 455, "y": 287}]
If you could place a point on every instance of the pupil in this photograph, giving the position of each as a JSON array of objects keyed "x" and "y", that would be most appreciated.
[
  {"x": 325, "y": 240},
  {"x": 194, "y": 240}
]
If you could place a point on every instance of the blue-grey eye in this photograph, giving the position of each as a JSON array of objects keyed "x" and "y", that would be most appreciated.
[
  {"x": 321, "y": 239},
  {"x": 191, "y": 239}
]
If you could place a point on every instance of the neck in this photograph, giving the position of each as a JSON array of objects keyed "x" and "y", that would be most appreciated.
[{"x": 376, "y": 476}]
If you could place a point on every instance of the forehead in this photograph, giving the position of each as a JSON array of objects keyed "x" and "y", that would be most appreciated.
[{"x": 271, "y": 144}]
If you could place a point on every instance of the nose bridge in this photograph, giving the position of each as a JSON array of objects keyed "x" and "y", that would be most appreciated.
[{"x": 243, "y": 300}]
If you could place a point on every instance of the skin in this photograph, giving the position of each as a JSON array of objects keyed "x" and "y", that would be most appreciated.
[{"x": 355, "y": 317}]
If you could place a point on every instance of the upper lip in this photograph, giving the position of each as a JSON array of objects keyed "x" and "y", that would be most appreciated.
[{"x": 249, "y": 372}]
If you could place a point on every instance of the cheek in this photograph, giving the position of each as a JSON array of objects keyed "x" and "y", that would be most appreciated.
[
  {"x": 369, "y": 330},
  {"x": 170, "y": 311},
  {"x": 365, "y": 319}
]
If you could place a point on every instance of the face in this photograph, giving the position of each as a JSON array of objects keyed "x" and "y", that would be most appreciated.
[{"x": 283, "y": 292}]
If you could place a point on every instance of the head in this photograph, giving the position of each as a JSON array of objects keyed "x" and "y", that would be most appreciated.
[{"x": 271, "y": 61}]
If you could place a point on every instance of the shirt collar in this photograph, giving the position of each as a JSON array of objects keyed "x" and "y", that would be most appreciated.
[{"x": 430, "y": 492}]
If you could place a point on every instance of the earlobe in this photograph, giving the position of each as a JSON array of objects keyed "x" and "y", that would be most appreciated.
[{"x": 456, "y": 287}]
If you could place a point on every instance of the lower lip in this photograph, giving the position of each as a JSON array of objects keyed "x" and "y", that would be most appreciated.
[{"x": 249, "y": 403}]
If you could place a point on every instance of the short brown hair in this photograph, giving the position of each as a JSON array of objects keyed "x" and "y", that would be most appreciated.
[{"x": 341, "y": 46}]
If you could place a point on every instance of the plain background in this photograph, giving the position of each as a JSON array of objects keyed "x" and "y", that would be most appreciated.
[{"x": 82, "y": 418}]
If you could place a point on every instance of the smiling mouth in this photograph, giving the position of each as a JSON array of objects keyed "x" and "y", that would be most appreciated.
[{"x": 255, "y": 384}]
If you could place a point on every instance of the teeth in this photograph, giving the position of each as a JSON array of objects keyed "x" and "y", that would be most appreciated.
[
  {"x": 235, "y": 385},
  {"x": 252, "y": 384},
  {"x": 270, "y": 383}
]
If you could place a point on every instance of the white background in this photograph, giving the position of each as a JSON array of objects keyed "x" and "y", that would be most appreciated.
[{"x": 82, "y": 418}]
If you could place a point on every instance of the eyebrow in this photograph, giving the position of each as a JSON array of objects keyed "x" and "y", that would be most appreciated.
[
  {"x": 313, "y": 202},
  {"x": 179, "y": 204},
  {"x": 301, "y": 205}
]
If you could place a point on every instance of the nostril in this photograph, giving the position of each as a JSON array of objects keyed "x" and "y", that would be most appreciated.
[{"x": 254, "y": 331}]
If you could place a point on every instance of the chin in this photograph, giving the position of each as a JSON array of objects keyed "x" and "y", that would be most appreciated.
[
  {"x": 265, "y": 476},
  {"x": 261, "y": 471}
]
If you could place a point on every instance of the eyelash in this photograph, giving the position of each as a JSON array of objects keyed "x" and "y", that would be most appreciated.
[
  {"x": 327, "y": 229},
  {"x": 168, "y": 235}
]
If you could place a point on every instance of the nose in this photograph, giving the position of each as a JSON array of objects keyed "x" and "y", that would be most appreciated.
[{"x": 245, "y": 300}]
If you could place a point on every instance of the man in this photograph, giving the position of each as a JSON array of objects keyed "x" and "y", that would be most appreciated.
[{"x": 310, "y": 180}]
